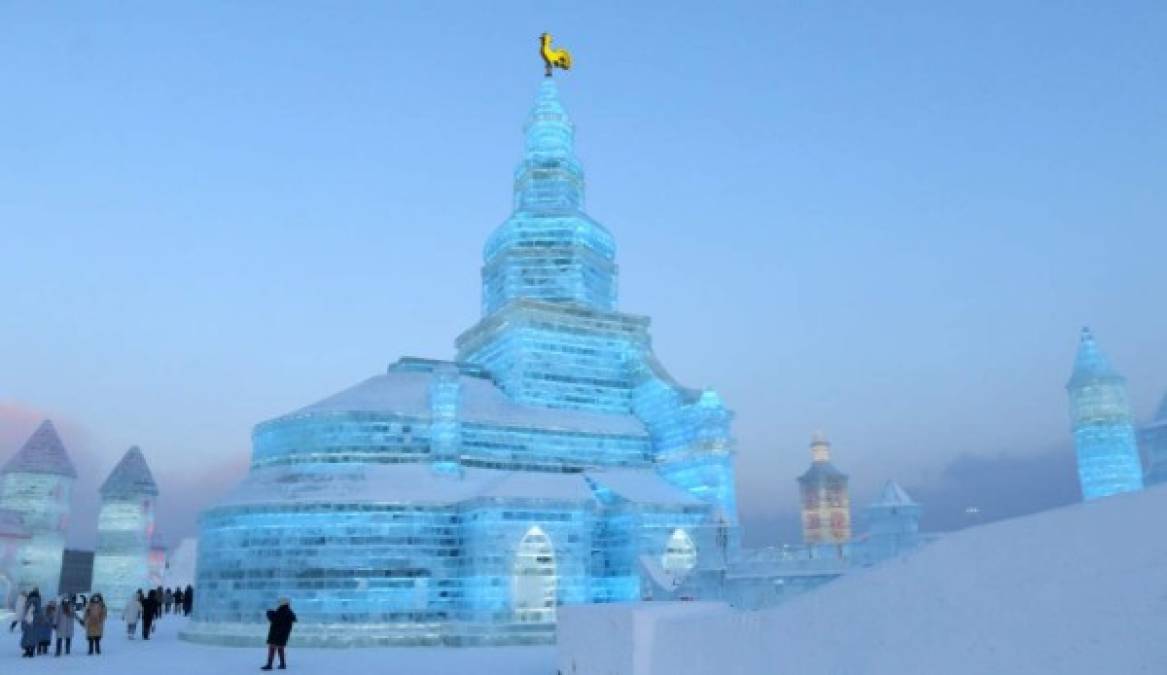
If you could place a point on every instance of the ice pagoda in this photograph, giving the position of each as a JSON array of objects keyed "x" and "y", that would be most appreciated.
[
  {"x": 36, "y": 487},
  {"x": 462, "y": 502},
  {"x": 1104, "y": 432},
  {"x": 125, "y": 528}
]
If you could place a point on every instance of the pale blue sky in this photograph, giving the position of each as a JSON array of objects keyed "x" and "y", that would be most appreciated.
[{"x": 884, "y": 220}]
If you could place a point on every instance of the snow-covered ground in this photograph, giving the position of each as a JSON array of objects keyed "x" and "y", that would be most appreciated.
[
  {"x": 1082, "y": 589},
  {"x": 165, "y": 653}
]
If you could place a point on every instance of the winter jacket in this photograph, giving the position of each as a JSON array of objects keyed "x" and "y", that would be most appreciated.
[
  {"x": 150, "y": 608},
  {"x": 95, "y": 619},
  {"x": 65, "y": 617},
  {"x": 48, "y": 621},
  {"x": 281, "y": 625},
  {"x": 133, "y": 611},
  {"x": 29, "y": 619}
]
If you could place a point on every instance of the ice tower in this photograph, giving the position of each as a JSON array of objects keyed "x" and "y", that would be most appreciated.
[
  {"x": 826, "y": 503},
  {"x": 1104, "y": 435},
  {"x": 37, "y": 484},
  {"x": 462, "y": 502},
  {"x": 125, "y": 528},
  {"x": 1153, "y": 442},
  {"x": 893, "y": 525}
]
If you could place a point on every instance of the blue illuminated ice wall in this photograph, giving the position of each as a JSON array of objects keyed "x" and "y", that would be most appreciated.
[
  {"x": 464, "y": 502},
  {"x": 1104, "y": 434}
]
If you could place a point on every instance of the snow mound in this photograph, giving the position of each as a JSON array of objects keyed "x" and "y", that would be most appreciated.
[{"x": 1081, "y": 589}]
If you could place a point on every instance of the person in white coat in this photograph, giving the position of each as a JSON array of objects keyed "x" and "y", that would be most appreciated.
[
  {"x": 66, "y": 615},
  {"x": 131, "y": 614}
]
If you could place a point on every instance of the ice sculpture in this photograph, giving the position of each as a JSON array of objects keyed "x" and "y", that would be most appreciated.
[
  {"x": 1104, "y": 435},
  {"x": 461, "y": 502},
  {"x": 125, "y": 529},
  {"x": 826, "y": 502},
  {"x": 1153, "y": 442},
  {"x": 37, "y": 484}
]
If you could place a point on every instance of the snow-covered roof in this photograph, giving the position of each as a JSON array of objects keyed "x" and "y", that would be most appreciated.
[
  {"x": 893, "y": 495},
  {"x": 406, "y": 392},
  {"x": 417, "y": 483},
  {"x": 130, "y": 478},
  {"x": 642, "y": 486},
  {"x": 43, "y": 452},
  {"x": 12, "y": 524}
]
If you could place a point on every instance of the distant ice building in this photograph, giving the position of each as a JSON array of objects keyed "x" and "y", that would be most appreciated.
[
  {"x": 826, "y": 502},
  {"x": 36, "y": 484},
  {"x": 462, "y": 502},
  {"x": 1153, "y": 443},
  {"x": 1104, "y": 433},
  {"x": 892, "y": 526},
  {"x": 125, "y": 528}
]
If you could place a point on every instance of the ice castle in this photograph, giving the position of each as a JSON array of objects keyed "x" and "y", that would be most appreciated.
[
  {"x": 1104, "y": 432},
  {"x": 462, "y": 502}
]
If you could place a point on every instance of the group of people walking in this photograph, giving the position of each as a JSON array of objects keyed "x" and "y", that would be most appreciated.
[
  {"x": 39, "y": 622},
  {"x": 148, "y": 608}
]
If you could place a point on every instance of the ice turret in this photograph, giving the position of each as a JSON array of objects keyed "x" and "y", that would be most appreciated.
[
  {"x": 125, "y": 529},
  {"x": 37, "y": 483},
  {"x": 1104, "y": 435},
  {"x": 1153, "y": 443},
  {"x": 826, "y": 502}
]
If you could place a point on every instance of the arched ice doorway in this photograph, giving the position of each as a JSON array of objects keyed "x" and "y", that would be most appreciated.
[
  {"x": 533, "y": 587},
  {"x": 680, "y": 554}
]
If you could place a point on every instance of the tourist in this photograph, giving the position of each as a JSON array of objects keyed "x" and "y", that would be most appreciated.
[
  {"x": 18, "y": 610},
  {"x": 149, "y": 613},
  {"x": 187, "y": 599},
  {"x": 168, "y": 600},
  {"x": 45, "y": 626},
  {"x": 158, "y": 598},
  {"x": 65, "y": 617},
  {"x": 94, "y": 619},
  {"x": 281, "y": 620},
  {"x": 132, "y": 613},
  {"x": 28, "y": 609}
]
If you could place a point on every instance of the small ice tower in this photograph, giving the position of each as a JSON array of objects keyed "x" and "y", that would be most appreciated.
[
  {"x": 826, "y": 503},
  {"x": 1104, "y": 434},
  {"x": 125, "y": 529},
  {"x": 37, "y": 483}
]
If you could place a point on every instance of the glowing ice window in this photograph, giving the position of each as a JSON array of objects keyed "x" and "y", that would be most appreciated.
[
  {"x": 533, "y": 588},
  {"x": 680, "y": 554}
]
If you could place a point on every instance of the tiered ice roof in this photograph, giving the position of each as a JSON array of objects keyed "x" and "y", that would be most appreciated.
[
  {"x": 130, "y": 478},
  {"x": 44, "y": 453}
]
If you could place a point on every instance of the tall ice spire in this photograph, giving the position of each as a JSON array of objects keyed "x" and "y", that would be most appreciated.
[
  {"x": 37, "y": 483},
  {"x": 125, "y": 527},
  {"x": 1104, "y": 435},
  {"x": 549, "y": 249}
]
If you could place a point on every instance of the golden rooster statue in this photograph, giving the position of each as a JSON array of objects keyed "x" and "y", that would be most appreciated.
[{"x": 553, "y": 58}]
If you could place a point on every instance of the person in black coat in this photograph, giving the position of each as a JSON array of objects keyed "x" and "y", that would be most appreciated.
[
  {"x": 281, "y": 620},
  {"x": 149, "y": 613},
  {"x": 187, "y": 599}
]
